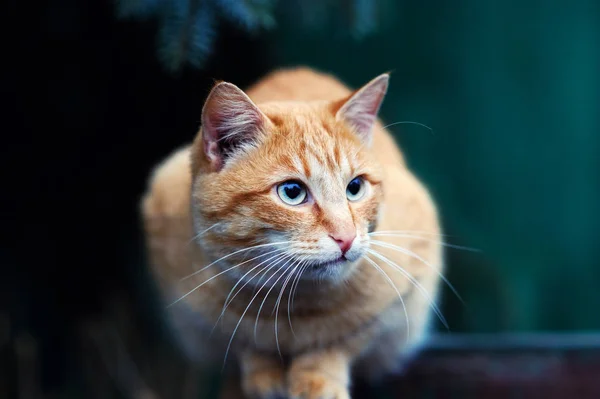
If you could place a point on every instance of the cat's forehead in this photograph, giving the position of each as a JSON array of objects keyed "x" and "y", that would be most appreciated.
[
  {"x": 305, "y": 123},
  {"x": 313, "y": 147}
]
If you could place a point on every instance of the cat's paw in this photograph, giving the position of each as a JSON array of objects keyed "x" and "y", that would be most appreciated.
[
  {"x": 316, "y": 385},
  {"x": 265, "y": 384}
]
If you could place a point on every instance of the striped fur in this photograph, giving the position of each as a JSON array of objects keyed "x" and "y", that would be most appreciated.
[{"x": 348, "y": 317}]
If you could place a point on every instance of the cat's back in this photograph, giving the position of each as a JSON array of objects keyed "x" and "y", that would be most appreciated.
[{"x": 297, "y": 84}]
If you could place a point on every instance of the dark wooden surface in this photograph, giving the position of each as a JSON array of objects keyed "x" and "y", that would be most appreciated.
[
  {"x": 111, "y": 358},
  {"x": 502, "y": 366}
]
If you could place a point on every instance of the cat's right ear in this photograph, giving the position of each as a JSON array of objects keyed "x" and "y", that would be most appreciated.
[
  {"x": 229, "y": 120},
  {"x": 361, "y": 109}
]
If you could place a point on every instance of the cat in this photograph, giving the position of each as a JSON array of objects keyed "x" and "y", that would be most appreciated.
[{"x": 291, "y": 238}]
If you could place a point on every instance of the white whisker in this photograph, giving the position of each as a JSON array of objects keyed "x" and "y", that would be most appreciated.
[
  {"x": 426, "y": 232},
  {"x": 416, "y": 283},
  {"x": 265, "y": 270},
  {"x": 263, "y": 276},
  {"x": 286, "y": 281},
  {"x": 194, "y": 238},
  {"x": 400, "y": 235},
  {"x": 269, "y": 291},
  {"x": 258, "y": 283},
  {"x": 234, "y": 253},
  {"x": 293, "y": 288},
  {"x": 305, "y": 266},
  {"x": 409, "y": 123},
  {"x": 416, "y": 256},
  {"x": 389, "y": 280},
  {"x": 242, "y": 316},
  {"x": 217, "y": 275},
  {"x": 278, "y": 302},
  {"x": 278, "y": 257}
]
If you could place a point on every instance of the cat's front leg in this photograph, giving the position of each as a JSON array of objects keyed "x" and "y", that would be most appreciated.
[
  {"x": 320, "y": 375},
  {"x": 263, "y": 376}
]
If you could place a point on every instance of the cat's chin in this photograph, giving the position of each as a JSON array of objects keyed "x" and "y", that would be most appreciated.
[{"x": 331, "y": 270}]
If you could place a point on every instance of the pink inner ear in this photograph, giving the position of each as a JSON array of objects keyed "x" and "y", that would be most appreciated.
[
  {"x": 362, "y": 108},
  {"x": 229, "y": 119},
  {"x": 212, "y": 153}
]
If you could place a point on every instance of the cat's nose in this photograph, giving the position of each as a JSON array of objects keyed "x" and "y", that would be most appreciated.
[{"x": 344, "y": 239}]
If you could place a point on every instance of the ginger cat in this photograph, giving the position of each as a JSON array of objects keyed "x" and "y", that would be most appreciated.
[{"x": 267, "y": 233}]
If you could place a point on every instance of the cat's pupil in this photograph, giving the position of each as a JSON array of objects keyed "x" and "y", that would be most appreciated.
[
  {"x": 354, "y": 186},
  {"x": 293, "y": 190}
]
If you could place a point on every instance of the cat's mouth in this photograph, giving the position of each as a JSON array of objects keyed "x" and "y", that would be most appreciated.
[
  {"x": 329, "y": 270},
  {"x": 330, "y": 263}
]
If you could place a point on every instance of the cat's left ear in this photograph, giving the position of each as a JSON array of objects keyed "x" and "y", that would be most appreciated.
[
  {"x": 361, "y": 109},
  {"x": 230, "y": 120}
]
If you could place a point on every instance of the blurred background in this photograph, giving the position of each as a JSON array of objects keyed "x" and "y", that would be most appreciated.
[{"x": 96, "y": 93}]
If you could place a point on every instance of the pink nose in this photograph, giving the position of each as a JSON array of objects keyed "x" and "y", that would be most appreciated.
[{"x": 344, "y": 240}]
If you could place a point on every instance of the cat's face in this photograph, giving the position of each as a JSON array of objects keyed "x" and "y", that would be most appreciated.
[{"x": 302, "y": 187}]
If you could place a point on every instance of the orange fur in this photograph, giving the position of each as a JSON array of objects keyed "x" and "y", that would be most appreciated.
[{"x": 198, "y": 209}]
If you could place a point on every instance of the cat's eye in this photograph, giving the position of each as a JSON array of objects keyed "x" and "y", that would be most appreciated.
[
  {"x": 355, "y": 189},
  {"x": 292, "y": 192}
]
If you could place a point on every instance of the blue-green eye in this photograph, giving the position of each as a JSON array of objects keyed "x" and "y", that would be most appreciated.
[
  {"x": 292, "y": 192},
  {"x": 355, "y": 189}
]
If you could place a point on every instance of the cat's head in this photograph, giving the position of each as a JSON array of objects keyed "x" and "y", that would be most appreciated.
[{"x": 294, "y": 180}]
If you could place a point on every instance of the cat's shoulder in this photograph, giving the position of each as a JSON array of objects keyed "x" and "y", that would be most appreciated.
[{"x": 168, "y": 190}]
